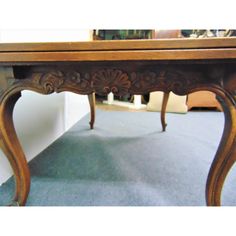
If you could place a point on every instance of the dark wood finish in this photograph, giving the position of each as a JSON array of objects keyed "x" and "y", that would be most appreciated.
[
  {"x": 9, "y": 142},
  {"x": 226, "y": 153},
  {"x": 163, "y": 110},
  {"x": 92, "y": 101},
  {"x": 209, "y": 65},
  {"x": 165, "y": 34}
]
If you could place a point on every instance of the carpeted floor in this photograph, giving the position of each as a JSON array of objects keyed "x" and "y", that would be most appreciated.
[{"x": 127, "y": 161}]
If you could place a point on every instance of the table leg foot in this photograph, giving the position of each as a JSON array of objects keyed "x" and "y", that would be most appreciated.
[
  {"x": 12, "y": 149},
  {"x": 225, "y": 155},
  {"x": 14, "y": 203},
  {"x": 163, "y": 110},
  {"x": 92, "y": 101}
]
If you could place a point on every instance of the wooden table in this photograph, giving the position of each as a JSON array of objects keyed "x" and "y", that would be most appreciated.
[{"x": 133, "y": 66}]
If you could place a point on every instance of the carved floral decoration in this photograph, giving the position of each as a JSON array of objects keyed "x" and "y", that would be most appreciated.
[
  {"x": 180, "y": 82},
  {"x": 103, "y": 81},
  {"x": 57, "y": 81},
  {"x": 50, "y": 82}
]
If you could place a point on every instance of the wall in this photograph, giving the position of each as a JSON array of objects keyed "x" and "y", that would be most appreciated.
[{"x": 39, "y": 119}]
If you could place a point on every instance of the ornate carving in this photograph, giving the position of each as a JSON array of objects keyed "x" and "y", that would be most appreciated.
[
  {"x": 181, "y": 82},
  {"x": 56, "y": 81},
  {"x": 111, "y": 80},
  {"x": 75, "y": 79},
  {"x": 178, "y": 81},
  {"x": 116, "y": 81},
  {"x": 48, "y": 82},
  {"x": 147, "y": 79}
]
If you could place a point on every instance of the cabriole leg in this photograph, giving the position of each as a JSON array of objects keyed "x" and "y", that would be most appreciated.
[
  {"x": 163, "y": 110},
  {"x": 92, "y": 101},
  {"x": 225, "y": 155},
  {"x": 12, "y": 149}
]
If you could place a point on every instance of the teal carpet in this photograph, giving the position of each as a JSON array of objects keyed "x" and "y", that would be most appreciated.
[{"x": 127, "y": 161}]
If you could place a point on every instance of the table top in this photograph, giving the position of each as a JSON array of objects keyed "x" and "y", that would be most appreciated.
[{"x": 117, "y": 50}]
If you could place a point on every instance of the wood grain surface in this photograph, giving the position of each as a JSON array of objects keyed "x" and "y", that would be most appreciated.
[{"x": 181, "y": 66}]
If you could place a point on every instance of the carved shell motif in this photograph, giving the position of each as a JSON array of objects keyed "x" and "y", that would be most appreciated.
[{"x": 111, "y": 80}]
